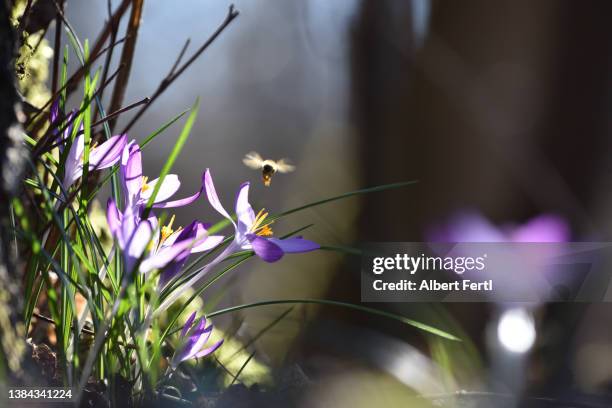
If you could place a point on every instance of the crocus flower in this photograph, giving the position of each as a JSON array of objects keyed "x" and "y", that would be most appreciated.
[
  {"x": 253, "y": 232},
  {"x": 141, "y": 240},
  {"x": 196, "y": 232},
  {"x": 100, "y": 157},
  {"x": 137, "y": 189},
  {"x": 193, "y": 338}
]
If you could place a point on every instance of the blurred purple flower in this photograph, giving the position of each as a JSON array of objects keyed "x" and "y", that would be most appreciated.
[
  {"x": 473, "y": 227},
  {"x": 137, "y": 189},
  {"x": 532, "y": 272},
  {"x": 193, "y": 338},
  {"x": 252, "y": 232}
]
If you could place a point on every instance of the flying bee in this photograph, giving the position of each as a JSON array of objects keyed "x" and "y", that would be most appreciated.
[{"x": 268, "y": 167}]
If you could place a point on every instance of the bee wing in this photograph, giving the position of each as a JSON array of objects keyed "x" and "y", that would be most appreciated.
[
  {"x": 284, "y": 166},
  {"x": 253, "y": 160}
]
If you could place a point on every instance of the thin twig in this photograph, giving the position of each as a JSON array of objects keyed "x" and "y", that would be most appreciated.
[
  {"x": 172, "y": 76},
  {"x": 127, "y": 56},
  {"x": 109, "y": 56},
  {"x": 117, "y": 113},
  {"x": 96, "y": 51},
  {"x": 107, "y": 29},
  {"x": 101, "y": 121},
  {"x": 51, "y": 321},
  {"x": 41, "y": 145},
  {"x": 180, "y": 57},
  {"x": 84, "y": 330},
  {"x": 56, "y": 50},
  {"x": 72, "y": 80}
]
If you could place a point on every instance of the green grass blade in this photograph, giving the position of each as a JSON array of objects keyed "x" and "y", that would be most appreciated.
[
  {"x": 422, "y": 326},
  {"x": 345, "y": 195},
  {"x": 176, "y": 150},
  {"x": 163, "y": 127}
]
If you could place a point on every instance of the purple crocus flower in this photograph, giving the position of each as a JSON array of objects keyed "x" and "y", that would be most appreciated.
[
  {"x": 196, "y": 232},
  {"x": 137, "y": 189},
  {"x": 100, "y": 157},
  {"x": 140, "y": 239},
  {"x": 193, "y": 338},
  {"x": 55, "y": 125},
  {"x": 253, "y": 232}
]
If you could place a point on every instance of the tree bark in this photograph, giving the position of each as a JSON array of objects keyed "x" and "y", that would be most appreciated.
[{"x": 12, "y": 160}]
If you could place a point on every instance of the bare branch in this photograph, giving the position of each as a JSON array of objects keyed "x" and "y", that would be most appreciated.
[
  {"x": 127, "y": 56},
  {"x": 172, "y": 76}
]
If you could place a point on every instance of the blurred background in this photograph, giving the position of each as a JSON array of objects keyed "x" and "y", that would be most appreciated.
[{"x": 501, "y": 109}]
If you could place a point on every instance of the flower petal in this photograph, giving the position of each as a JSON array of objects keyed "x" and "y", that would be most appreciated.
[
  {"x": 183, "y": 201},
  {"x": 131, "y": 172},
  {"x": 108, "y": 153},
  {"x": 67, "y": 132},
  {"x": 213, "y": 198},
  {"x": 129, "y": 222},
  {"x": 188, "y": 324},
  {"x": 164, "y": 256},
  {"x": 172, "y": 238},
  {"x": 188, "y": 234},
  {"x": 137, "y": 243},
  {"x": 113, "y": 218},
  {"x": 54, "y": 112},
  {"x": 154, "y": 222},
  {"x": 295, "y": 245},
  {"x": 198, "y": 339},
  {"x": 244, "y": 211},
  {"x": 169, "y": 186},
  {"x": 207, "y": 243},
  {"x": 193, "y": 338},
  {"x": 73, "y": 168},
  {"x": 208, "y": 350},
  {"x": 265, "y": 249}
]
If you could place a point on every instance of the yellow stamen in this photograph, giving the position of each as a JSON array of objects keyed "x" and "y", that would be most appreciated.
[
  {"x": 145, "y": 186},
  {"x": 265, "y": 231},
  {"x": 166, "y": 231},
  {"x": 258, "y": 227}
]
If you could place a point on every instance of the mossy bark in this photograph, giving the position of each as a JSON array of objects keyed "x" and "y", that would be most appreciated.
[{"x": 12, "y": 159}]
